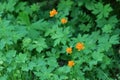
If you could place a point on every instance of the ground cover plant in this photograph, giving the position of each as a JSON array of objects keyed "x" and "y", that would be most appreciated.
[{"x": 59, "y": 40}]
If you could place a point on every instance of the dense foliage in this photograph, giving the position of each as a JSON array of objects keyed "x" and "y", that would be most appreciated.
[{"x": 59, "y": 40}]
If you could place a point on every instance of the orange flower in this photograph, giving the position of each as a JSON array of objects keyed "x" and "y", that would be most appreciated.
[
  {"x": 69, "y": 50},
  {"x": 71, "y": 63},
  {"x": 80, "y": 46},
  {"x": 53, "y": 13},
  {"x": 63, "y": 20}
]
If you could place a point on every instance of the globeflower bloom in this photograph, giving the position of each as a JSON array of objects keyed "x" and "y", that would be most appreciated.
[
  {"x": 80, "y": 46},
  {"x": 63, "y": 20},
  {"x": 53, "y": 13},
  {"x": 71, "y": 63},
  {"x": 69, "y": 50}
]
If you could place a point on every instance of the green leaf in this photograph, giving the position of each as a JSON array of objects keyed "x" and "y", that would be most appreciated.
[
  {"x": 57, "y": 41},
  {"x": 24, "y": 18},
  {"x": 103, "y": 41},
  {"x": 41, "y": 45},
  {"x": 4, "y": 77},
  {"x": 114, "y": 39},
  {"x": 10, "y": 6},
  {"x": 34, "y": 7},
  {"x": 84, "y": 27},
  {"x": 40, "y": 25},
  {"x": 51, "y": 30},
  {"x": 97, "y": 56},
  {"x": 21, "y": 58},
  {"x": 10, "y": 54},
  {"x": 2, "y": 44},
  {"x": 64, "y": 69},
  {"x": 31, "y": 65},
  {"x": 64, "y": 7},
  {"x": 33, "y": 34},
  {"x": 89, "y": 5},
  {"x": 11, "y": 67},
  {"x": 61, "y": 36},
  {"x": 102, "y": 75},
  {"x": 92, "y": 62},
  {"x": 101, "y": 10},
  {"x": 2, "y": 7},
  {"x": 20, "y": 7},
  {"x": 107, "y": 61},
  {"x": 25, "y": 67},
  {"x": 53, "y": 61},
  {"x": 97, "y": 8},
  {"x": 112, "y": 21},
  {"x": 26, "y": 41},
  {"x": 107, "y": 28},
  {"x": 107, "y": 9}
]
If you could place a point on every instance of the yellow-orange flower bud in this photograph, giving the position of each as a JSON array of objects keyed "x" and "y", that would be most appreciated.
[
  {"x": 80, "y": 46},
  {"x": 53, "y": 13},
  {"x": 63, "y": 20},
  {"x": 71, "y": 63},
  {"x": 69, "y": 50}
]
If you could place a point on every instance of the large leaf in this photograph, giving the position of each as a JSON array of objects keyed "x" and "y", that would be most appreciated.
[{"x": 101, "y": 10}]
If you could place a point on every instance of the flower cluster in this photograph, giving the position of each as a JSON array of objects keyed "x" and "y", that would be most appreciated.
[
  {"x": 79, "y": 46},
  {"x": 54, "y": 12}
]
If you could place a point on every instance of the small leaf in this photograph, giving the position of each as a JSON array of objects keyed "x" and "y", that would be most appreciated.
[
  {"x": 34, "y": 7},
  {"x": 97, "y": 56},
  {"x": 26, "y": 41},
  {"x": 84, "y": 27},
  {"x": 114, "y": 39},
  {"x": 41, "y": 45},
  {"x": 31, "y": 65},
  {"x": 107, "y": 28},
  {"x": 64, "y": 69},
  {"x": 10, "y": 6},
  {"x": 2, "y": 44},
  {"x": 11, "y": 54},
  {"x": 25, "y": 67},
  {"x": 21, "y": 58}
]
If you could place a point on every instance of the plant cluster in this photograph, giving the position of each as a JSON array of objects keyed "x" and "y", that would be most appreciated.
[{"x": 59, "y": 40}]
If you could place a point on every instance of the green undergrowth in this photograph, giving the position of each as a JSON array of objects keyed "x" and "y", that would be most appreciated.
[{"x": 33, "y": 45}]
